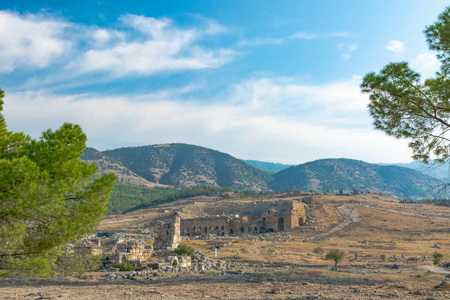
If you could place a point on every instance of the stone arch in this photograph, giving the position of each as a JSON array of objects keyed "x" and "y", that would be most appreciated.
[
  {"x": 205, "y": 229},
  {"x": 300, "y": 221},
  {"x": 231, "y": 231},
  {"x": 281, "y": 224},
  {"x": 217, "y": 228},
  {"x": 242, "y": 230}
]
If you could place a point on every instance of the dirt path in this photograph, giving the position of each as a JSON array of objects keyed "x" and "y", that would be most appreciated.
[
  {"x": 350, "y": 214},
  {"x": 435, "y": 269},
  {"x": 255, "y": 250},
  {"x": 419, "y": 215}
]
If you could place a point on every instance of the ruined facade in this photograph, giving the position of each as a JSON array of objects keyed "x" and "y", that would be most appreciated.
[
  {"x": 133, "y": 251},
  {"x": 280, "y": 216},
  {"x": 167, "y": 235}
]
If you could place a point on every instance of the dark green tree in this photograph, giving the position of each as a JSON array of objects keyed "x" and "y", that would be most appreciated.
[
  {"x": 404, "y": 106},
  {"x": 319, "y": 251},
  {"x": 336, "y": 256},
  {"x": 48, "y": 197},
  {"x": 437, "y": 257}
]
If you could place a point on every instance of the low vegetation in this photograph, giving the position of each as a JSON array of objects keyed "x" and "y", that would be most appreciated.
[
  {"x": 335, "y": 255},
  {"x": 185, "y": 249}
]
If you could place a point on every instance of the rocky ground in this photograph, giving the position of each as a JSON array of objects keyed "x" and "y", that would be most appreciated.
[{"x": 240, "y": 285}]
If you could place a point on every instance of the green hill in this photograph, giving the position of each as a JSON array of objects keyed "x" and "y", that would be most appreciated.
[
  {"x": 348, "y": 174},
  {"x": 183, "y": 165}
]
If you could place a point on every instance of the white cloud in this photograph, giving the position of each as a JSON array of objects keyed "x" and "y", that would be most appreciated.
[
  {"x": 426, "y": 64},
  {"x": 303, "y": 36},
  {"x": 248, "y": 124},
  {"x": 286, "y": 95},
  {"x": 347, "y": 47},
  {"x": 346, "y": 56},
  {"x": 161, "y": 47},
  {"x": 395, "y": 46},
  {"x": 143, "y": 46},
  {"x": 33, "y": 41}
]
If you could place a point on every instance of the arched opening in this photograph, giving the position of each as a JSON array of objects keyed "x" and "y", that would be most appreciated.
[
  {"x": 206, "y": 230},
  {"x": 255, "y": 230},
  {"x": 223, "y": 233},
  {"x": 280, "y": 224},
  {"x": 264, "y": 222},
  {"x": 300, "y": 222},
  {"x": 223, "y": 227},
  {"x": 175, "y": 263},
  {"x": 231, "y": 231},
  {"x": 242, "y": 229},
  {"x": 249, "y": 229},
  {"x": 217, "y": 228},
  {"x": 194, "y": 229}
]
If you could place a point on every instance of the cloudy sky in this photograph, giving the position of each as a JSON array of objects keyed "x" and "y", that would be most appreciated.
[{"x": 267, "y": 80}]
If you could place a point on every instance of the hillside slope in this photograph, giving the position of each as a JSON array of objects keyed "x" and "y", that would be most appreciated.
[
  {"x": 348, "y": 174},
  {"x": 107, "y": 164},
  {"x": 185, "y": 165}
]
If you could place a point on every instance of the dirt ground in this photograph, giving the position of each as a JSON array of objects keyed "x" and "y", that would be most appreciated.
[
  {"x": 388, "y": 246},
  {"x": 245, "y": 286}
]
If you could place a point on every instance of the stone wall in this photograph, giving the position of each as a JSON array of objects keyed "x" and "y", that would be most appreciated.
[{"x": 280, "y": 216}]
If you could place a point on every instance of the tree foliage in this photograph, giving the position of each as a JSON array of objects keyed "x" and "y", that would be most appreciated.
[
  {"x": 335, "y": 255},
  {"x": 404, "y": 106},
  {"x": 126, "y": 197},
  {"x": 437, "y": 257},
  {"x": 77, "y": 264},
  {"x": 47, "y": 196}
]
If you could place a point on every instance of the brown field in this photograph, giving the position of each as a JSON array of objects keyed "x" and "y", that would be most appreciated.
[{"x": 283, "y": 265}]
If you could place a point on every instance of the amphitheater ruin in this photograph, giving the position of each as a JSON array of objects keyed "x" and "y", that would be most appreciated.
[{"x": 246, "y": 218}]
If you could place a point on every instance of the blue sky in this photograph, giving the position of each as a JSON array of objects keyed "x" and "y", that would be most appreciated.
[{"x": 266, "y": 80}]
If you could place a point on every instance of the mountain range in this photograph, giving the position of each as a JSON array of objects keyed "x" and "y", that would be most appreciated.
[{"x": 182, "y": 165}]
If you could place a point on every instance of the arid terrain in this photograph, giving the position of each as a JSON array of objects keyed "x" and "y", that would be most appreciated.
[{"x": 388, "y": 245}]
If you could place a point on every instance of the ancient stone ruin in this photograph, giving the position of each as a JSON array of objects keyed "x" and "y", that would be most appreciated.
[
  {"x": 167, "y": 235},
  {"x": 283, "y": 215}
]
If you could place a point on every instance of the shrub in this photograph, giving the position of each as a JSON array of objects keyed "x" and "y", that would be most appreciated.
[
  {"x": 437, "y": 257},
  {"x": 185, "y": 249},
  {"x": 125, "y": 266},
  {"x": 319, "y": 251}
]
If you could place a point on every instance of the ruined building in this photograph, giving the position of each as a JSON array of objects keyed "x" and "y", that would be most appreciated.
[
  {"x": 167, "y": 235},
  {"x": 283, "y": 215},
  {"x": 133, "y": 251}
]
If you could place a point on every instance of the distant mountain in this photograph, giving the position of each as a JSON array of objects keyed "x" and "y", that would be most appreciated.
[
  {"x": 440, "y": 171},
  {"x": 268, "y": 167},
  {"x": 183, "y": 165},
  {"x": 107, "y": 164},
  {"x": 348, "y": 174}
]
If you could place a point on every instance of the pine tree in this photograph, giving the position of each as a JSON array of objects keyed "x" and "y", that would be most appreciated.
[{"x": 48, "y": 197}]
